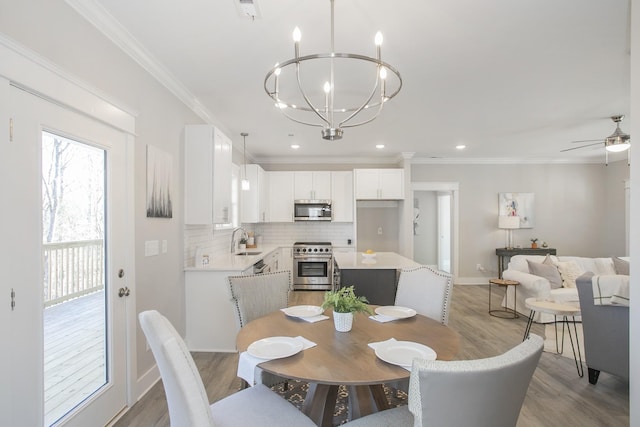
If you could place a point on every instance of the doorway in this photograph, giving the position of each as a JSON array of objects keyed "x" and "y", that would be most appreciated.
[{"x": 435, "y": 219}]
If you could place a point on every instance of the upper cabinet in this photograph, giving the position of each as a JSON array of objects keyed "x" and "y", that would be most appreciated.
[
  {"x": 342, "y": 196},
  {"x": 379, "y": 184},
  {"x": 280, "y": 196},
  {"x": 207, "y": 165},
  {"x": 314, "y": 185},
  {"x": 254, "y": 201}
]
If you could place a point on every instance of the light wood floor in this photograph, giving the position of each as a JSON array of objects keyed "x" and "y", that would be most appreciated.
[{"x": 556, "y": 396}]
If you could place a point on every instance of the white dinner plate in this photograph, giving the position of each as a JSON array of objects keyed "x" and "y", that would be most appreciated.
[
  {"x": 402, "y": 353},
  {"x": 303, "y": 311},
  {"x": 396, "y": 311},
  {"x": 275, "y": 347}
]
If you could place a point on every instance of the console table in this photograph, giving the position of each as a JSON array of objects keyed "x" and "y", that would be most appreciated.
[{"x": 505, "y": 254}]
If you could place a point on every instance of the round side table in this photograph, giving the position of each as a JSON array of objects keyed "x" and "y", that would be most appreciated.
[
  {"x": 504, "y": 313},
  {"x": 564, "y": 310}
]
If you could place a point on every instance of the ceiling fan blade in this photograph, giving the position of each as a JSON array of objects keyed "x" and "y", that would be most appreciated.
[
  {"x": 587, "y": 140},
  {"x": 582, "y": 146}
]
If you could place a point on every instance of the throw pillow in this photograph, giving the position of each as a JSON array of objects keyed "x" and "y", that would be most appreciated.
[
  {"x": 569, "y": 271},
  {"x": 621, "y": 266},
  {"x": 549, "y": 272}
]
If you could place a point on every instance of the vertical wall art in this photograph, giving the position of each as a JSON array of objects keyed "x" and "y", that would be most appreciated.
[
  {"x": 159, "y": 180},
  {"x": 518, "y": 204}
]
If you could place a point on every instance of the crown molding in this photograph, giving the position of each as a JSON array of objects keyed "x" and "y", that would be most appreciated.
[
  {"x": 501, "y": 161},
  {"x": 100, "y": 18}
]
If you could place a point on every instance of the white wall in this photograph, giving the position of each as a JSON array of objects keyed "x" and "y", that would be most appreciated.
[
  {"x": 579, "y": 208},
  {"x": 56, "y": 32},
  {"x": 634, "y": 320}
]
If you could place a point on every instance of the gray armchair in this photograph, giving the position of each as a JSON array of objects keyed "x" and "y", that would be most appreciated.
[{"x": 606, "y": 333}]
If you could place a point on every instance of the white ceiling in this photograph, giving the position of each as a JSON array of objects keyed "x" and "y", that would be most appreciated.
[{"x": 513, "y": 80}]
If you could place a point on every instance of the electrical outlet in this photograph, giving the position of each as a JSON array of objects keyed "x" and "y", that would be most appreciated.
[
  {"x": 380, "y": 230},
  {"x": 479, "y": 267}
]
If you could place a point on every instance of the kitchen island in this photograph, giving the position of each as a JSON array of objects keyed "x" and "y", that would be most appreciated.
[{"x": 375, "y": 277}]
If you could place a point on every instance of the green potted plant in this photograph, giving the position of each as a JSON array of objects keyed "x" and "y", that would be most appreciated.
[
  {"x": 242, "y": 246},
  {"x": 345, "y": 304}
]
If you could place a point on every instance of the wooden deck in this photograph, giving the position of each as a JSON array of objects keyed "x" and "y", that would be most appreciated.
[{"x": 74, "y": 353}]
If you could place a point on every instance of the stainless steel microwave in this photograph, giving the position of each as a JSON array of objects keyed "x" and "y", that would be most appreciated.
[{"x": 312, "y": 210}]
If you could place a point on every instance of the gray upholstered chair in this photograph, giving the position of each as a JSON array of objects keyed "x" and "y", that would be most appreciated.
[
  {"x": 606, "y": 333},
  {"x": 481, "y": 393},
  {"x": 258, "y": 295},
  {"x": 427, "y": 291},
  {"x": 187, "y": 397}
]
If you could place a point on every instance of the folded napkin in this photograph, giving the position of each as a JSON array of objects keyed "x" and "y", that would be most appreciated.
[
  {"x": 382, "y": 318},
  {"x": 248, "y": 365},
  {"x": 375, "y": 345},
  {"x": 313, "y": 319}
]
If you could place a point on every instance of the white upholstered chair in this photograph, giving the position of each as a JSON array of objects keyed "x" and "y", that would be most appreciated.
[
  {"x": 255, "y": 296},
  {"x": 427, "y": 291},
  {"x": 186, "y": 395},
  {"x": 481, "y": 393}
]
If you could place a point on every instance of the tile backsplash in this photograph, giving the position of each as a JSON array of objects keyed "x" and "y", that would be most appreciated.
[{"x": 214, "y": 242}]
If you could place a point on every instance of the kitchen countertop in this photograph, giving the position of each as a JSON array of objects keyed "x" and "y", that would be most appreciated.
[
  {"x": 233, "y": 262},
  {"x": 382, "y": 260}
]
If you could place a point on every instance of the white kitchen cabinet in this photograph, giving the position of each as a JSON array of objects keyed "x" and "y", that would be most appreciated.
[
  {"x": 207, "y": 165},
  {"x": 342, "y": 196},
  {"x": 280, "y": 196},
  {"x": 314, "y": 185},
  {"x": 254, "y": 202},
  {"x": 379, "y": 184},
  {"x": 286, "y": 260},
  {"x": 272, "y": 262}
]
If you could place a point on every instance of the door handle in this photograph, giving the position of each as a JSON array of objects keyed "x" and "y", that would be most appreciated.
[{"x": 124, "y": 292}]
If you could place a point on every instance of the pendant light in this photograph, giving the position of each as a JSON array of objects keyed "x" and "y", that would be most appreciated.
[{"x": 244, "y": 184}]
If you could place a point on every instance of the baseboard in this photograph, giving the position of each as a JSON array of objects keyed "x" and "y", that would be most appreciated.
[
  {"x": 146, "y": 381},
  {"x": 471, "y": 281}
]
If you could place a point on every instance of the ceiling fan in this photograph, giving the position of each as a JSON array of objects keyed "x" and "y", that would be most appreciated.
[{"x": 617, "y": 142}]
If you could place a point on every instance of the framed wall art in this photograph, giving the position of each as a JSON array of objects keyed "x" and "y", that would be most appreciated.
[{"x": 518, "y": 204}]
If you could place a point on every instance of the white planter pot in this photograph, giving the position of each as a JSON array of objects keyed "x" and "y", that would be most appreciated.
[{"x": 343, "y": 321}]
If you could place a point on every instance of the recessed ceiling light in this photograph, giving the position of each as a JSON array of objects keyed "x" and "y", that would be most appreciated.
[
  {"x": 295, "y": 146},
  {"x": 379, "y": 146},
  {"x": 461, "y": 147}
]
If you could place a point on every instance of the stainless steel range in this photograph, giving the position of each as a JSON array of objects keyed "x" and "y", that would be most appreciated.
[{"x": 312, "y": 265}]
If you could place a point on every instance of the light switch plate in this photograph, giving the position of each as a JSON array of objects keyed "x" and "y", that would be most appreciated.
[
  {"x": 151, "y": 248},
  {"x": 164, "y": 246}
]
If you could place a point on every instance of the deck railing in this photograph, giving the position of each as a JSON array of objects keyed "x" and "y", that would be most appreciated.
[{"x": 72, "y": 269}]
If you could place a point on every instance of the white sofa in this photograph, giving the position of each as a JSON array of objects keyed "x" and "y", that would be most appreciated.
[{"x": 539, "y": 287}]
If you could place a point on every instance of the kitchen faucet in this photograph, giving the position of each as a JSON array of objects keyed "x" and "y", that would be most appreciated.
[{"x": 233, "y": 237}]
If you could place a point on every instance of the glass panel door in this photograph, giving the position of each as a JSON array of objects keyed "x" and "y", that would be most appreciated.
[{"x": 73, "y": 242}]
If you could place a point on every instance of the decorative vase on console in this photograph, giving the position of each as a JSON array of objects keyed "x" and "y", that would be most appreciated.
[{"x": 534, "y": 244}]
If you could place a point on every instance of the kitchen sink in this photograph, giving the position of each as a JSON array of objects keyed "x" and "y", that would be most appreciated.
[{"x": 248, "y": 253}]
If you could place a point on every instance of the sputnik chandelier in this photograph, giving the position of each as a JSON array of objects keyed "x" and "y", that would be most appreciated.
[{"x": 339, "y": 102}]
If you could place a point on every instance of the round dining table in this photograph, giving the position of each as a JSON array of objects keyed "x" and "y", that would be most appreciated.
[{"x": 345, "y": 358}]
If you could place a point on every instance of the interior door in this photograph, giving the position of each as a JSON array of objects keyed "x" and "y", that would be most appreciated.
[{"x": 22, "y": 260}]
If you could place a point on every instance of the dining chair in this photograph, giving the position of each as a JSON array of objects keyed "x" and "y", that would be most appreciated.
[
  {"x": 481, "y": 393},
  {"x": 255, "y": 296},
  {"x": 187, "y": 398},
  {"x": 425, "y": 290}
]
